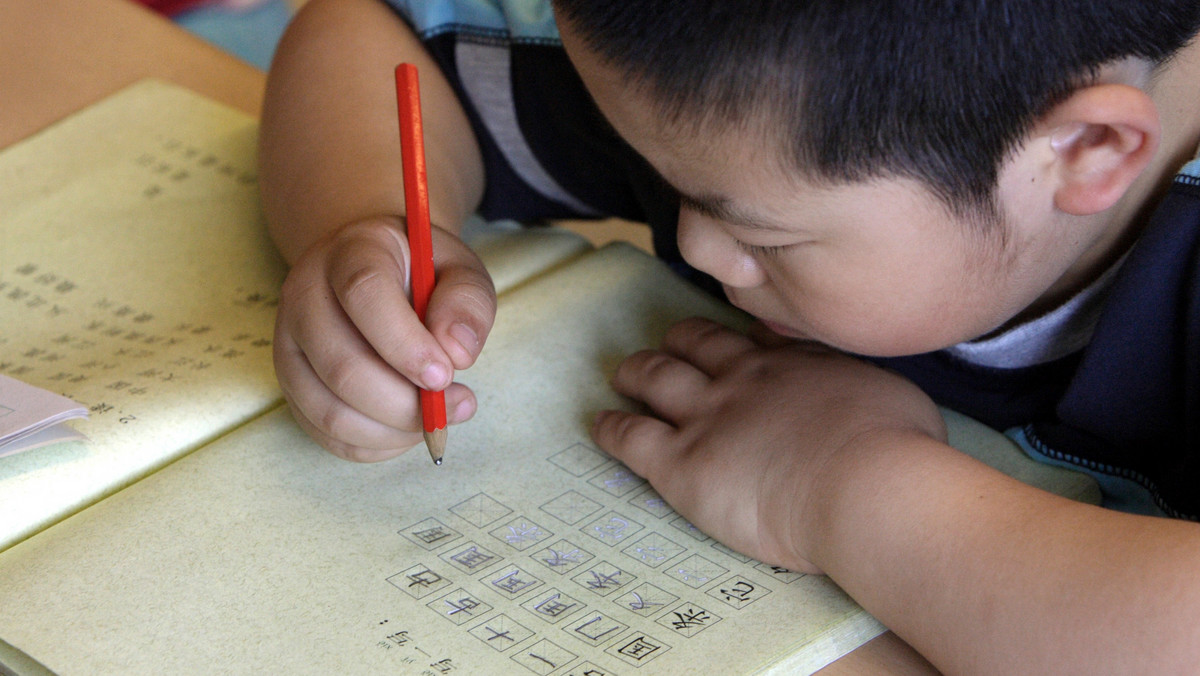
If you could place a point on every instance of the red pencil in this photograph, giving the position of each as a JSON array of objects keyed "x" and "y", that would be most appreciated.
[{"x": 420, "y": 239}]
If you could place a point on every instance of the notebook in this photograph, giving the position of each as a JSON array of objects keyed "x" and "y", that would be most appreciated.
[{"x": 198, "y": 530}]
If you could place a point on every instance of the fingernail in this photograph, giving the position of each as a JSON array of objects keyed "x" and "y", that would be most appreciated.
[
  {"x": 466, "y": 337},
  {"x": 435, "y": 377}
]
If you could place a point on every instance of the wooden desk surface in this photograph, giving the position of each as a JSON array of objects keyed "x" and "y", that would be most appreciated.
[{"x": 58, "y": 56}]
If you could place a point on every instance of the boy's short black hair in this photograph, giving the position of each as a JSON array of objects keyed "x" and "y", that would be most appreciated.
[{"x": 940, "y": 91}]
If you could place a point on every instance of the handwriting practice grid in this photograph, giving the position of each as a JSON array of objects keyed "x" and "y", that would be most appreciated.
[
  {"x": 587, "y": 572},
  {"x": 556, "y": 557},
  {"x": 137, "y": 279}
]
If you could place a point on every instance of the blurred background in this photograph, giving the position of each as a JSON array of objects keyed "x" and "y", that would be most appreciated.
[{"x": 249, "y": 29}]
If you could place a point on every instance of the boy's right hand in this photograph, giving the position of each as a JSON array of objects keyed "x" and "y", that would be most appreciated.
[{"x": 350, "y": 352}]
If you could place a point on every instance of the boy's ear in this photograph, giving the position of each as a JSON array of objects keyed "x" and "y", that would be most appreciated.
[{"x": 1102, "y": 137}]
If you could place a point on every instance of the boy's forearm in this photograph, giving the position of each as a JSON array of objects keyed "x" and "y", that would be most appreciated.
[
  {"x": 329, "y": 148},
  {"x": 983, "y": 574}
]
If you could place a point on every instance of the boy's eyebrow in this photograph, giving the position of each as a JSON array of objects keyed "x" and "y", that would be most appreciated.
[{"x": 722, "y": 208}]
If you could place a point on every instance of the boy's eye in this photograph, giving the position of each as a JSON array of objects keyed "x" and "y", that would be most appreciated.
[{"x": 758, "y": 250}]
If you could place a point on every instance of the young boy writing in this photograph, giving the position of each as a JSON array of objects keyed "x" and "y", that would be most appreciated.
[{"x": 977, "y": 195}]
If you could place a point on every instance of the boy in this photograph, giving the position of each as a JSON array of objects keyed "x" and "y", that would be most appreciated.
[{"x": 951, "y": 188}]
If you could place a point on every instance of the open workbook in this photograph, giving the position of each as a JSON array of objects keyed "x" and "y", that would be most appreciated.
[{"x": 198, "y": 530}]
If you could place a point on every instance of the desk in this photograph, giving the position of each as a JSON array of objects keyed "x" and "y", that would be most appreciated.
[{"x": 58, "y": 56}]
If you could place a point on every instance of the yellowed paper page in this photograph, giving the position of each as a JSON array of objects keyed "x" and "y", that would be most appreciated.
[
  {"x": 514, "y": 253},
  {"x": 527, "y": 552},
  {"x": 137, "y": 279}
]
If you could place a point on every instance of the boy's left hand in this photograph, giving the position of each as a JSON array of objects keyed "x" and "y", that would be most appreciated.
[{"x": 742, "y": 434}]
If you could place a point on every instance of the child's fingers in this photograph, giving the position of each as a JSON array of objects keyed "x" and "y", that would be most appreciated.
[
  {"x": 356, "y": 376},
  {"x": 708, "y": 345},
  {"x": 367, "y": 273},
  {"x": 672, "y": 388},
  {"x": 643, "y": 443},
  {"x": 349, "y": 346},
  {"x": 348, "y": 430},
  {"x": 357, "y": 448},
  {"x": 314, "y": 330},
  {"x": 329, "y": 420},
  {"x": 336, "y": 356},
  {"x": 463, "y": 306}
]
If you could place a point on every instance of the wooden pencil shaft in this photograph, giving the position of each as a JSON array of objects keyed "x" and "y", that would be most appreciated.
[{"x": 420, "y": 236}]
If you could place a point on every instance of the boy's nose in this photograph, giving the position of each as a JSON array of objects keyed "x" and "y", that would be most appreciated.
[{"x": 708, "y": 248}]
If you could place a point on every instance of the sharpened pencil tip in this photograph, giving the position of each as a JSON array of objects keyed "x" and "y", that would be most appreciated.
[{"x": 435, "y": 441}]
